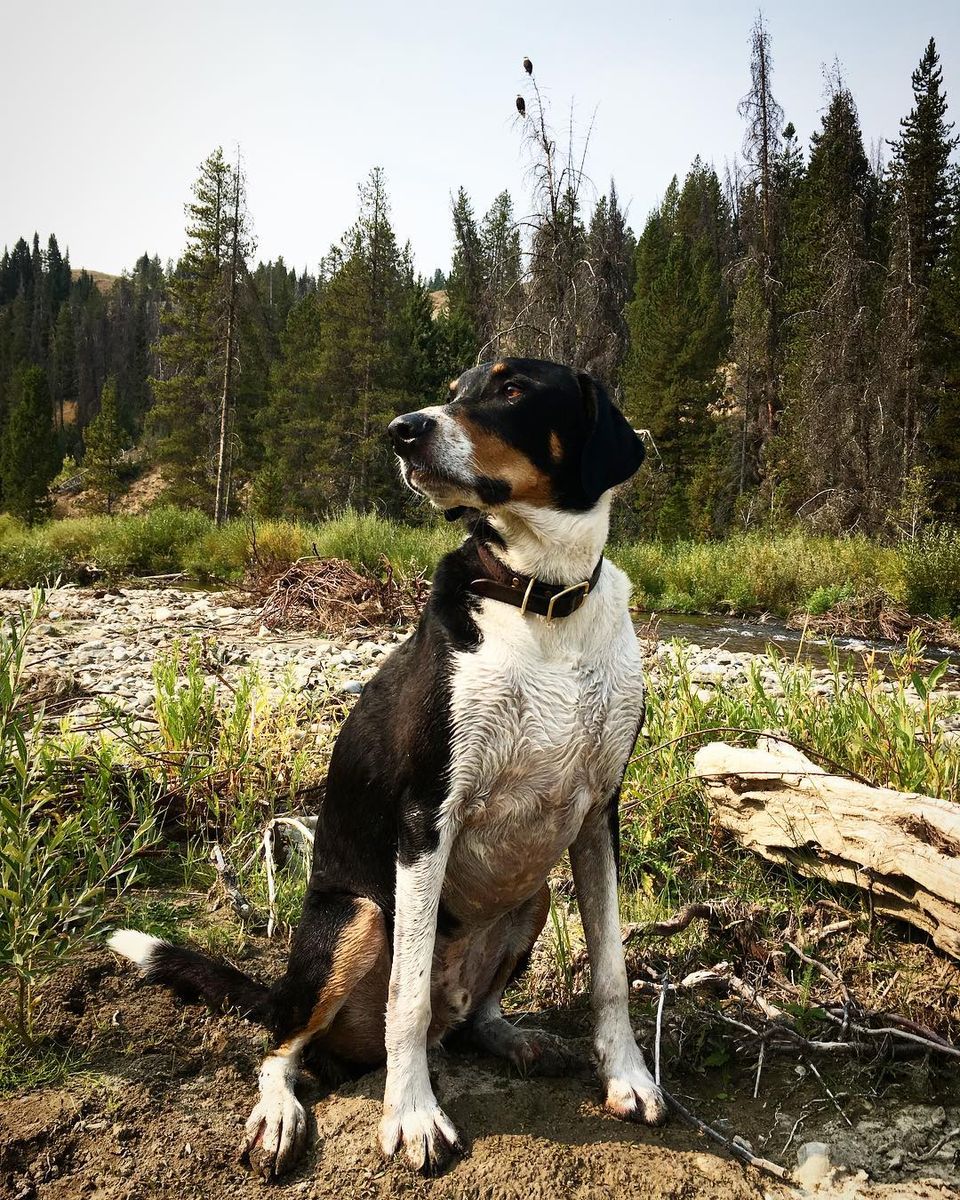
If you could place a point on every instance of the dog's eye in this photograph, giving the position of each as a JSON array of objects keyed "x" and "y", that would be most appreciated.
[{"x": 512, "y": 392}]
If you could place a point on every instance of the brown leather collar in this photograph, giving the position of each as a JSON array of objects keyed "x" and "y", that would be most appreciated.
[{"x": 528, "y": 594}]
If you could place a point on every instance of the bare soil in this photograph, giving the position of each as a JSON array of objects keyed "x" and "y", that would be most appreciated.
[{"x": 158, "y": 1104}]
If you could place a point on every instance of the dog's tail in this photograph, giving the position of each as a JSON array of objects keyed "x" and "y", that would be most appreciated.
[{"x": 192, "y": 975}]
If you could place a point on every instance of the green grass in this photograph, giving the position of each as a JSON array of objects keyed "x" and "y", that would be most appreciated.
[
  {"x": 167, "y": 540},
  {"x": 887, "y": 735},
  {"x": 750, "y": 572},
  {"x": 757, "y": 572}
]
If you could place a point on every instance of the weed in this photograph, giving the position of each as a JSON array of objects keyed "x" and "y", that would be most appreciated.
[{"x": 58, "y": 865}]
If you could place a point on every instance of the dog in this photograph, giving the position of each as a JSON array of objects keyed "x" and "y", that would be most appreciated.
[{"x": 493, "y": 740}]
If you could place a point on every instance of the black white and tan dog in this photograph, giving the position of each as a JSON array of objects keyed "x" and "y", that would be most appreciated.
[{"x": 494, "y": 739}]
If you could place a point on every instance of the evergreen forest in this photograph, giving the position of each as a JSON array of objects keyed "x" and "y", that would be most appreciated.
[{"x": 786, "y": 331}]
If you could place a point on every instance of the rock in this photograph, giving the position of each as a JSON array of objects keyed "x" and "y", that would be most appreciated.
[
  {"x": 813, "y": 1165},
  {"x": 352, "y": 687}
]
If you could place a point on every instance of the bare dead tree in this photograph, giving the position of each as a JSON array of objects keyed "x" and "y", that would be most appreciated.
[
  {"x": 559, "y": 290},
  {"x": 239, "y": 248}
]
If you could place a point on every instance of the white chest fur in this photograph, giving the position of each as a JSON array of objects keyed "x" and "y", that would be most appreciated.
[{"x": 544, "y": 717}]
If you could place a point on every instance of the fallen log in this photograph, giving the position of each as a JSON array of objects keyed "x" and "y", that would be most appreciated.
[{"x": 902, "y": 848}]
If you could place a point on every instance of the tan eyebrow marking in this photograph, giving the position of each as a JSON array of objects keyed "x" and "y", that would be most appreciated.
[
  {"x": 498, "y": 368},
  {"x": 452, "y": 385},
  {"x": 556, "y": 449}
]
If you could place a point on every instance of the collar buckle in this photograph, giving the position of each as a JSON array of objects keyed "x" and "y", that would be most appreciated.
[{"x": 583, "y": 587}]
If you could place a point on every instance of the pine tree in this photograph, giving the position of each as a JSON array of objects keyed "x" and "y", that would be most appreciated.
[
  {"x": 63, "y": 363},
  {"x": 293, "y": 424},
  {"x": 610, "y": 251},
  {"x": 355, "y": 354},
  {"x": 679, "y": 327},
  {"x": 835, "y": 458},
  {"x": 29, "y": 455},
  {"x": 924, "y": 199},
  {"x": 761, "y": 219},
  {"x": 105, "y": 441},
  {"x": 501, "y": 297},
  {"x": 238, "y": 248},
  {"x": 921, "y": 157},
  {"x": 465, "y": 283},
  {"x": 190, "y": 420},
  {"x": 943, "y": 429}
]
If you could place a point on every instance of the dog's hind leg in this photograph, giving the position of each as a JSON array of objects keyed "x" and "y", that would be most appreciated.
[
  {"x": 530, "y": 1050},
  {"x": 339, "y": 940}
]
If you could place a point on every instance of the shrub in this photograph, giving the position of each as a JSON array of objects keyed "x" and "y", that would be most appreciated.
[
  {"x": 151, "y": 544},
  {"x": 931, "y": 571},
  {"x": 822, "y": 599},
  {"x": 219, "y": 553}
]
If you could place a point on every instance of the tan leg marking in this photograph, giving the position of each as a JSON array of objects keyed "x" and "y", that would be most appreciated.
[{"x": 359, "y": 947}]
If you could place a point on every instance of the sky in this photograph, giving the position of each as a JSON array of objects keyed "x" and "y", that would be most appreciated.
[{"x": 109, "y": 106}]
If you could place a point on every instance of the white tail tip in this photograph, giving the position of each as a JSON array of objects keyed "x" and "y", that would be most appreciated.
[{"x": 132, "y": 944}]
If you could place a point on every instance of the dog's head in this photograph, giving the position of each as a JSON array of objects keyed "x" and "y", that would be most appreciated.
[{"x": 520, "y": 431}]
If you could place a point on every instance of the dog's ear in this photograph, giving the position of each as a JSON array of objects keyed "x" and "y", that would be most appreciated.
[{"x": 613, "y": 451}]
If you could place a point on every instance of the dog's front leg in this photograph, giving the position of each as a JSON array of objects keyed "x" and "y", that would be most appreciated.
[
  {"x": 630, "y": 1090},
  {"x": 411, "y": 1114}
]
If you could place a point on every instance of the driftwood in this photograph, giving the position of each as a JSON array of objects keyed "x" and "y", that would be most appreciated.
[{"x": 903, "y": 849}]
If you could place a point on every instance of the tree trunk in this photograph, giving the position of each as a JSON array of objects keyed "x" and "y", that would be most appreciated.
[
  {"x": 902, "y": 848},
  {"x": 222, "y": 486}
]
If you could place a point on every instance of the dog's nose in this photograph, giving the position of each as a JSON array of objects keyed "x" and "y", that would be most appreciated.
[{"x": 409, "y": 431}]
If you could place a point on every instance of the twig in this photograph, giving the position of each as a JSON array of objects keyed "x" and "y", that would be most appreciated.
[
  {"x": 799, "y": 1121},
  {"x": 664, "y": 984},
  {"x": 677, "y": 924},
  {"x": 271, "y": 881},
  {"x": 756, "y": 1082},
  {"x": 836, "y": 1102},
  {"x": 941, "y": 1046},
  {"x": 267, "y": 840},
  {"x": 793, "y": 1038},
  {"x": 829, "y": 930},
  {"x": 823, "y": 969},
  {"x": 753, "y": 996},
  {"x": 947, "y": 1137},
  {"x": 737, "y": 1149},
  {"x": 916, "y": 1027},
  {"x": 240, "y": 904}
]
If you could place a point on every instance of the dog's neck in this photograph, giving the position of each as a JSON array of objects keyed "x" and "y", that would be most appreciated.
[{"x": 551, "y": 545}]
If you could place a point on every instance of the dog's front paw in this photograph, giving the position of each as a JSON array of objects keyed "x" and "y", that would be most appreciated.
[
  {"x": 633, "y": 1096},
  {"x": 275, "y": 1135},
  {"x": 427, "y": 1134}
]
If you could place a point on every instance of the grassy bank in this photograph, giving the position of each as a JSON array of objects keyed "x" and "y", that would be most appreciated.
[{"x": 755, "y": 572}]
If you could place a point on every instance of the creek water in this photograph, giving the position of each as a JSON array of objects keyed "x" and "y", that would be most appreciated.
[{"x": 753, "y": 637}]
